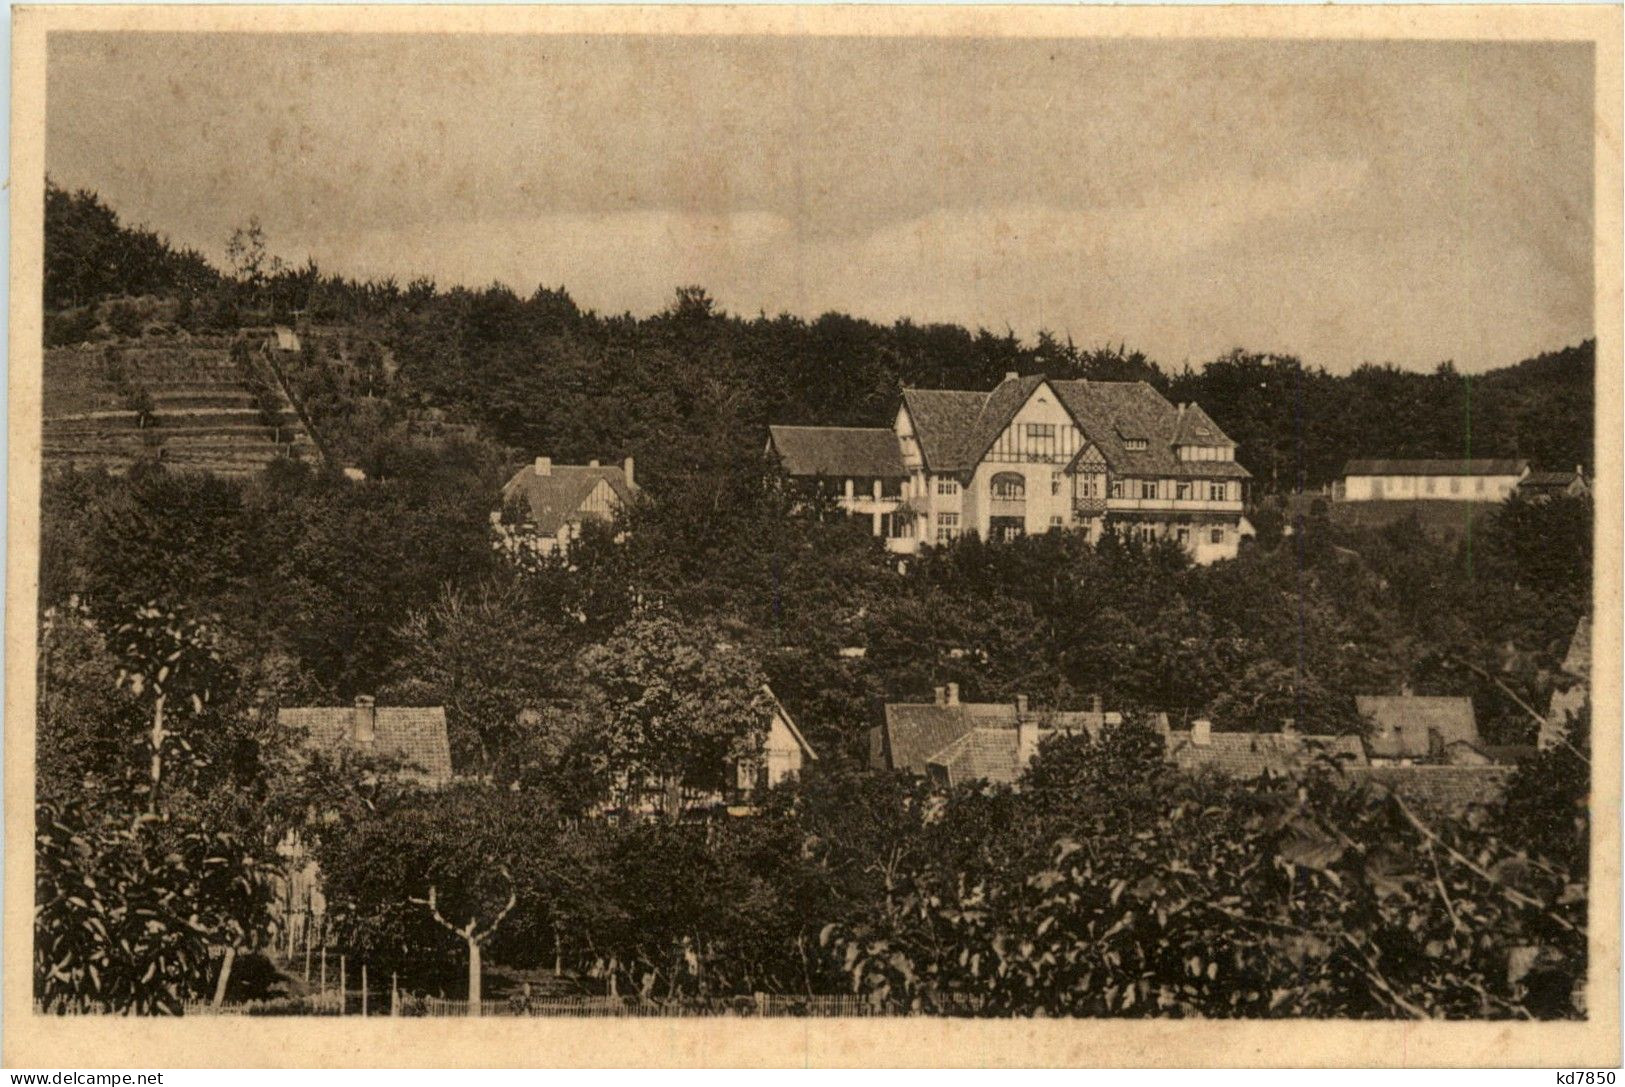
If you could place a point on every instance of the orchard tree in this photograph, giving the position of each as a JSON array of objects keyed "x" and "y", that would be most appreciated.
[
  {"x": 438, "y": 874},
  {"x": 496, "y": 668},
  {"x": 174, "y": 661},
  {"x": 681, "y": 701}
]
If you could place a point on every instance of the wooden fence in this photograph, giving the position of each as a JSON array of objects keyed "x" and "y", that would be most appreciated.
[{"x": 587, "y": 1007}]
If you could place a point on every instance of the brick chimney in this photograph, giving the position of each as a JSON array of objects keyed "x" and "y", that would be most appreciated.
[
  {"x": 593, "y": 463},
  {"x": 364, "y": 719},
  {"x": 630, "y": 479},
  {"x": 953, "y": 694},
  {"x": 544, "y": 466},
  {"x": 1094, "y": 703},
  {"x": 942, "y": 696},
  {"x": 1021, "y": 705},
  {"x": 1202, "y": 732},
  {"x": 1012, "y": 375},
  {"x": 1289, "y": 726}
]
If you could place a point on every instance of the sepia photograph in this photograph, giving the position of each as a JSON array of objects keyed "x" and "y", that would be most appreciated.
[{"x": 722, "y": 521}]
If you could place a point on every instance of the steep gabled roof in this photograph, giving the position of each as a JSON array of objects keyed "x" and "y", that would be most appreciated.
[
  {"x": 838, "y": 452},
  {"x": 945, "y": 423},
  {"x": 998, "y": 409},
  {"x": 555, "y": 499},
  {"x": 1404, "y": 723},
  {"x": 956, "y": 428},
  {"x": 1195, "y": 427},
  {"x": 1112, "y": 412},
  {"x": 415, "y": 735},
  {"x": 1477, "y": 467},
  {"x": 790, "y": 723}
]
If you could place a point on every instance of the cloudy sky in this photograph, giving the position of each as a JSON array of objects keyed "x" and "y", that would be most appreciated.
[{"x": 1347, "y": 202}]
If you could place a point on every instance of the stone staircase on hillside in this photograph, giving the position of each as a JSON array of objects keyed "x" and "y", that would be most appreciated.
[{"x": 204, "y": 416}]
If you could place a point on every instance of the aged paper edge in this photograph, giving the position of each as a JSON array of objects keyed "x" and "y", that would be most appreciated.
[{"x": 34, "y": 1041}]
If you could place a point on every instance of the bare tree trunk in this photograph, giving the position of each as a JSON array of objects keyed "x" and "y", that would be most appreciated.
[
  {"x": 158, "y": 735},
  {"x": 473, "y": 977},
  {"x": 225, "y": 975},
  {"x": 674, "y": 797}
]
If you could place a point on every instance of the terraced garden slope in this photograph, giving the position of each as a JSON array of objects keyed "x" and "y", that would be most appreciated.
[{"x": 179, "y": 400}]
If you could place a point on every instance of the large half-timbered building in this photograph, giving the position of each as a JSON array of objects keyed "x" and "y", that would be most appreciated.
[{"x": 1034, "y": 455}]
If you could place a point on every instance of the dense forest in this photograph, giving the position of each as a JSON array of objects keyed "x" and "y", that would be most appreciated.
[
  {"x": 689, "y": 391},
  {"x": 300, "y": 586}
]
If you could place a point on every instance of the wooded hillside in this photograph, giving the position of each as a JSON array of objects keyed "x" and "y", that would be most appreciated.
[{"x": 689, "y": 391}]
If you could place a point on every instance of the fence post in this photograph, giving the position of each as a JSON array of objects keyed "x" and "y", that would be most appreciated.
[
  {"x": 324, "y": 969},
  {"x": 363, "y": 990},
  {"x": 307, "y": 954},
  {"x": 394, "y": 992},
  {"x": 344, "y": 997}
]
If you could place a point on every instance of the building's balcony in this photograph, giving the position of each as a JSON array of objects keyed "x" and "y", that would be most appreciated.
[
  {"x": 868, "y": 503},
  {"x": 1007, "y": 507},
  {"x": 1088, "y": 507},
  {"x": 1174, "y": 505}
]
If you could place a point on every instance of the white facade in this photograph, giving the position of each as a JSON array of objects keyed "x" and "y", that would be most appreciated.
[
  {"x": 1483, "y": 480},
  {"x": 1443, "y": 486},
  {"x": 1042, "y": 474}
]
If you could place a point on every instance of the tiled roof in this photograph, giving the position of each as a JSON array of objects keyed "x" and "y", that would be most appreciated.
[
  {"x": 1403, "y": 723},
  {"x": 1447, "y": 787},
  {"x": 838, "y": 452},
  {"x": 1196, "y": 427},
  {"x": 916, "y": 733},
  {"x": 416, "y": 735},
  {"x": 998, "y": 409},
  {"x": 955, "y": 428},
  {"x": 555, "y": 498},
  {"x": 1110, "y": 413},
  {"x": 1480, "y": 467},
  {"x": 982, "y": 754},
  {"x": 1252, "y": 754},
  {"x": 945, "y": 422}
]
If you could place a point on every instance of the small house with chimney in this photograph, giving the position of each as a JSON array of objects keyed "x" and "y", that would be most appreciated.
[
  {"x": 952, "y": 741},
  {"x": 544, "y": 505},
  {"x": 1409, "y": 728},
  {"x": 413, "y": 736}
]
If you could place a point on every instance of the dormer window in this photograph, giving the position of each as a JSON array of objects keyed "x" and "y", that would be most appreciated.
[{"x": 1134, "y": 445}]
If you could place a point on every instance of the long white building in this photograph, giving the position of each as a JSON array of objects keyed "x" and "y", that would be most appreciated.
[
  {"x": 1032, "y": 455},
  {"x": 1481, "y": 480}
]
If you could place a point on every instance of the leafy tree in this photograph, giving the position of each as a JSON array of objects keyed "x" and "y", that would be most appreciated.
[
  {"x": 126, "y": 911},
  {"x": 501, "y": 674},
  {"x": 680, "y": 702}
]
